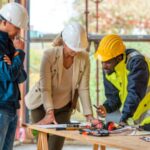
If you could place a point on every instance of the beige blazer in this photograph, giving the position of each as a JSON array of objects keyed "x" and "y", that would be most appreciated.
[{"x": 51, "y": 73}]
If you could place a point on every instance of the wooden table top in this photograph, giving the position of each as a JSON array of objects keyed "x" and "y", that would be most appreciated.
[{"x": 116, "y": 141}]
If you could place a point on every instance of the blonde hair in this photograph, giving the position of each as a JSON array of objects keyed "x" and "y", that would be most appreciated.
[{"x": 58, "y": 41}]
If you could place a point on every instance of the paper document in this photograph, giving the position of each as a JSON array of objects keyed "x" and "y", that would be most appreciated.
[
  {"x": 52, "y": 126},
  {"x": 65, "y": 126}
]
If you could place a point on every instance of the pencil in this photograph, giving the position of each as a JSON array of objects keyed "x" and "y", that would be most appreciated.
[{"x": 95, "y": 106}]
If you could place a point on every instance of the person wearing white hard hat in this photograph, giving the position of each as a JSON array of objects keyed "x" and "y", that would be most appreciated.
[
  {"x": 13, "y": 18},
  {"x": 64, "y": 74}
]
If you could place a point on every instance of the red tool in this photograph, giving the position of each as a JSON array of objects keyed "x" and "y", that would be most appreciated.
[{"x": 110, "y": 126}]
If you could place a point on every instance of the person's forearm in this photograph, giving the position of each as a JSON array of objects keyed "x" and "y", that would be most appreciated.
[{"x": 10, "y": 72}]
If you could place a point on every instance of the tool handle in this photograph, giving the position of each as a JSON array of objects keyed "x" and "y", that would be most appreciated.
[{"x": 95, "y": 106}]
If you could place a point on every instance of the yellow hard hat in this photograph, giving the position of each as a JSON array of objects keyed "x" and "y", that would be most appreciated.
[{"x": 109, "y": 47}]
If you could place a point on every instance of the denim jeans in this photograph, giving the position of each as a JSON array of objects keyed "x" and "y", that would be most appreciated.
[{"x": 8, "y": 124}]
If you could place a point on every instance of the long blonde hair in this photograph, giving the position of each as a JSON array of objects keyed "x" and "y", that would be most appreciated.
[{"x": 58, "y": 41}]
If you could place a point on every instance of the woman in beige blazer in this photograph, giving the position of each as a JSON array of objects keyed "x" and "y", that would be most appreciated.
[{"x": 64, "y": 75}]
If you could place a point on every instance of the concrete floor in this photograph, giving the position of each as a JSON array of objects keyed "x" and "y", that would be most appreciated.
[
  {"x": 66, "y": 147},
  {"x": 69, "y": 145}
]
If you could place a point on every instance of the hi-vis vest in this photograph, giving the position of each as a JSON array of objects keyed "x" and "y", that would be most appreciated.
[{"x": 120, "y": 81}]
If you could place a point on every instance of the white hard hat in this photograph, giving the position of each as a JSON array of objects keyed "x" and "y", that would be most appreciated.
[
  {"x": 16, "y": 14},
  {"x": 75, "y": 37}
]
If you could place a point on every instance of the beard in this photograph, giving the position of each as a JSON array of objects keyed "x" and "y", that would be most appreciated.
[{"x": 108, "y": 71}]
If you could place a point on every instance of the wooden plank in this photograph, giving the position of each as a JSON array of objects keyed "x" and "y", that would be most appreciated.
[
  {"x": 95, "y": 147},
  {"x": 39, "y": 143},
  {"x": 102, "y": 147},
  {"x": 115, "y": 141},
  {"x": 42, "y": 141}
]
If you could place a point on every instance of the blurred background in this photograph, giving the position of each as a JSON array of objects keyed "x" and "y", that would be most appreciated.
[
  {"x": 100, "y": 17},
  {"x": 130, "y": 19}
]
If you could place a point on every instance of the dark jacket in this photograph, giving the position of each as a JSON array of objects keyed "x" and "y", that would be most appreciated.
[
  {"x": 10, "y": 75},
  {"x": 137, "y": 84}
]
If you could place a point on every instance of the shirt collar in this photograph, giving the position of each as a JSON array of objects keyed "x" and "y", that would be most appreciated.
[{"x": 4, "y": 35}]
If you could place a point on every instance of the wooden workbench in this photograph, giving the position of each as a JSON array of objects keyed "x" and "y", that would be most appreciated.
[{"x": 115, "y": 141}]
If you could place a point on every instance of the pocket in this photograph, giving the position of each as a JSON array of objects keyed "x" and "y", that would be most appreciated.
[{"x": 4, "y": 118}]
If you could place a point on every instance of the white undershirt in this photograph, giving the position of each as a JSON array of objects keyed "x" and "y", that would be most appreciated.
[{"x": 62, "y": 95}]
